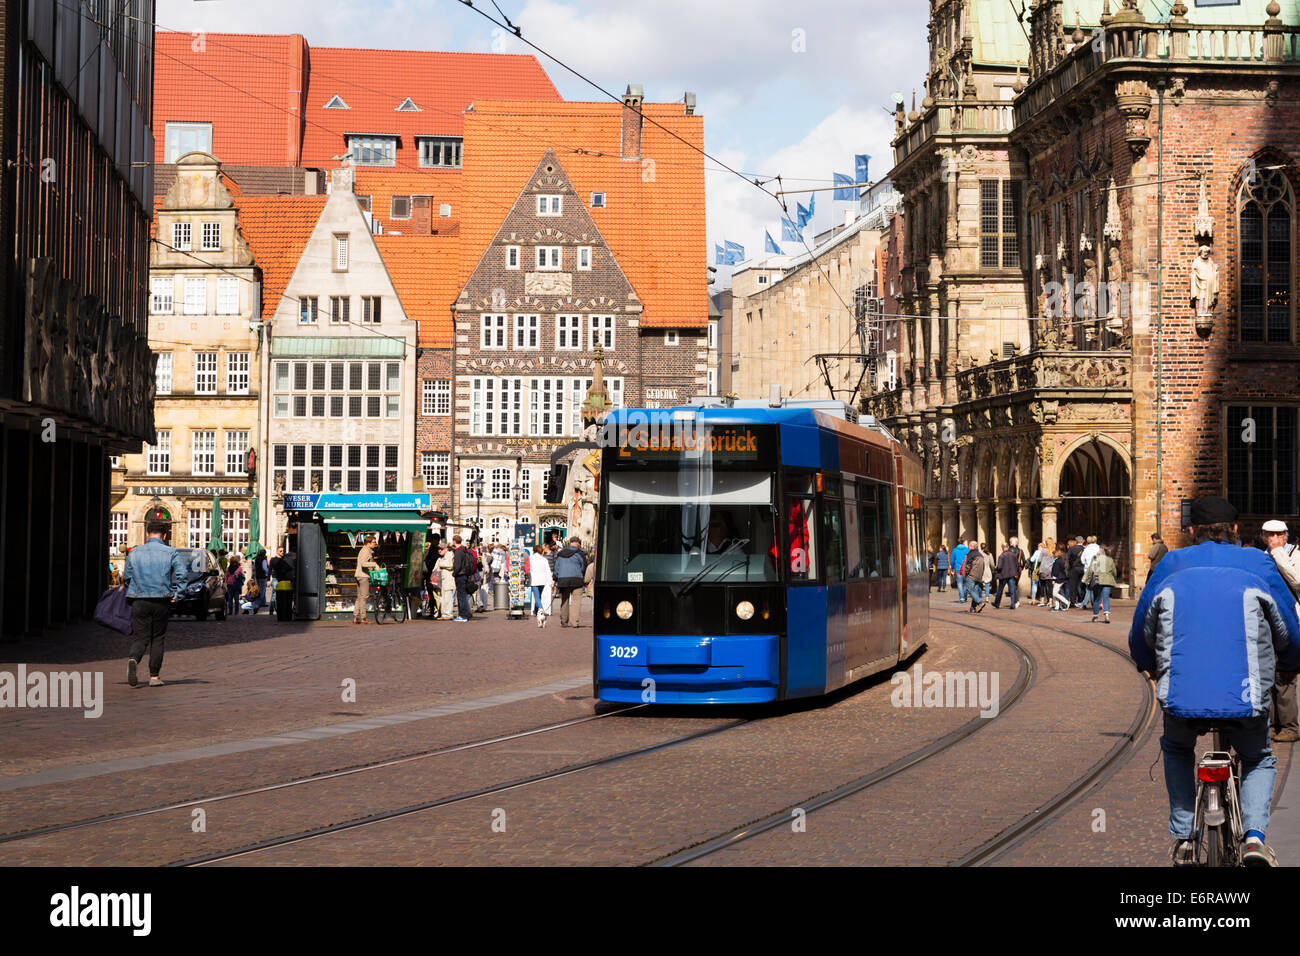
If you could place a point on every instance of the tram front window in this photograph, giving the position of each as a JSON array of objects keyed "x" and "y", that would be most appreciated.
[{"x": 695, "y": 525}]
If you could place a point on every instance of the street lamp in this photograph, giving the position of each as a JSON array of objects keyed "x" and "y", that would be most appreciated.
[
  {"x": 476, "y": 489},
  {"x": 518, "y": 491}
]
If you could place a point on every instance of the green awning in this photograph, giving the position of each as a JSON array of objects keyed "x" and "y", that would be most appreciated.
[{"x": 374, "y": 521}]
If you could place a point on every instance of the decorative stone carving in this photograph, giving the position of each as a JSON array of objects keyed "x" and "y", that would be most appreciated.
[
  {"x": 1112, "y": 229},
  {"x": 1205, "y": 283},
  {"x": 1204, "y": 227},
  {"x": 548, "y": 283},
  {"x": 1134, "y": 100}
]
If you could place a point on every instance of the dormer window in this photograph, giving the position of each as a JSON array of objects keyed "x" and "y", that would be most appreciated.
[
  {"x": 370, "y": 150},
  {"x": 597, "y": 200},
  {"x": 440, "y": 151},
  {"x": 336, "y": 103},
  {"x": 549, "y": 205},
  {"x": 408, "y": 106}
]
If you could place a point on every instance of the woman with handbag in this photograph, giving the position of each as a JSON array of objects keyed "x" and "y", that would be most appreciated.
[{"x": 1101, "y": 578}]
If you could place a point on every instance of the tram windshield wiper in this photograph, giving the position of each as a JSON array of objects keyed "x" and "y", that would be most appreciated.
[{"x": 732, "y": 548}]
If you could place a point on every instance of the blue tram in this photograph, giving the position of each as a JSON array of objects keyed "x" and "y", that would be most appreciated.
[{"x": 751, "y": 553}]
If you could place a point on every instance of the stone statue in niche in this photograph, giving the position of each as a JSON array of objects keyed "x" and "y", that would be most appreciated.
[
  {"x": 1114, "y": 287},
  {"x": 1205, "y": 283}
]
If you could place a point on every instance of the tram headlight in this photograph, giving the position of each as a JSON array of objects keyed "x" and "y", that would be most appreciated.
[
  {"x": 744, "y": 610},
  {"x": 624, "y": 610}
]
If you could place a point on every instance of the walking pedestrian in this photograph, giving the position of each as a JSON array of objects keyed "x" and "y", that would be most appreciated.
[
  {"x": 1101, "y": 572},
  {"x": 273, "y": 579},
  {"x": 957, "y": 559},
  {"x": 234, "y": 584},
  {"x": 464, "y": 567},
  {"x": 1009, "y": 567},
  {"x": 1074, "y": 571},
  {"x": 365, "y": 562},
  {"x": 155, "y": 573},
  {"x": 1060, "y": 580},
  {"x": 570, "y": 567},
  {"x": 284, "y": 569},
  {"x": 973, "y": 571},
  {"x": 539, "y": 578},
  {"x": 1090, "y": 551},
  {"x": 445, "y": 569},
  {"x": 1286, "y": 727},
  {"x": 1046, "y": 561},
  {"x": 1158, "y": 551},
  {"x": 940, "y": 562}
]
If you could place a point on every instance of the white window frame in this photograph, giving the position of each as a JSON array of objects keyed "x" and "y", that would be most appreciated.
[
  {"x": 443, "y": 148},
  {"x": 549, "y": 258},
  {"x": 340, "y": 309},
  {"x": 162, "y": 293},
  {"x": 493, "y": 326},
  {"x": 568, "y": 333},
  {"x": 237, "y": 373},
  {"x": 713, "y": 335},
  {"x": 512, "y": 257},
  {"x": 546, "y": 407},
  {"x": 312, "y": 304},
  {"x": 467, "y": 479},
  {"x": 499, "y": 485},
  {"x": 712, "y": 381},
  {"x": 181, "y": 236},
  {"x": 158, "y": 458},
  {"x": 210, "y": 237},
  {"x": 584, "y": 258},
  {"x": 550, "y": 205},
  {"x": 435, "y": 397},
  {"x": 163, "y": 374},
  {"x": 237, "y": 453},
  {"x": 119, "y": 529},
  {"x": 205, "y": 373},
  {"x": 196, "y": 295},
  {"x": 496, "y": 406},
  {"x": 227, "y": 295},
  {"x": 578, "y": 391},
  {"x": 385, "y": 147},
  {"x": 341, "y": 252},
  {"x": 526, "y": 483},
  {"x": 172, "y": 147},
  {"x": 203, "y": 453},
  {"x": 598, "y": 324},
  {"x": 671, "y": 337},
  {"x": 372, "y": 309},
  {"x": 598, "y": 204},
  {"x": 528, "y": 336}
]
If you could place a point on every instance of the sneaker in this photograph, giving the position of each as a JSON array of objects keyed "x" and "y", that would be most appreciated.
[
  {"x": 155, "y": 682},
  {"x": 1183, "y": 853},
  {"x": 133, "y": 680},
  {"x": 1255, "y": 852},
  {"x": 458, "y": 620},
  {"x": 1286, "y": 736}
]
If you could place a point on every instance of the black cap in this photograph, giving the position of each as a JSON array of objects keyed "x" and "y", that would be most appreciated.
[{"x": 1211, "y": 509}]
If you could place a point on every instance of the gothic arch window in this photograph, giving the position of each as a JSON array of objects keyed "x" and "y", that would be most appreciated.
[{"x": 1266, "y": 210}]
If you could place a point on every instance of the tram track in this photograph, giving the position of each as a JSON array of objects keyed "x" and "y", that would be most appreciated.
[
  {"x": 399, "y": 812},
  {"x": 350, "y": 770},
  {"x": 1095, "y": 777}
]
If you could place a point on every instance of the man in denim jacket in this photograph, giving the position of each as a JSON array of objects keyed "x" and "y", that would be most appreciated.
[{"x": 155, "y": 573}]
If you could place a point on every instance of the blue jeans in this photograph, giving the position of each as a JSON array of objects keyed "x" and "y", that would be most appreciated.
[
  {"x": 961, "y": 589},
  {"x": 270, "y": 584},
  {"x": 942, "y": 575},
  {"x": 535, "y": 593},
  {"x": 1013, "y": 586},
  {"x": 1249, "y": 737},
  {"x": 1101, "y": 599},
  {"x": 975, "y": 590}
]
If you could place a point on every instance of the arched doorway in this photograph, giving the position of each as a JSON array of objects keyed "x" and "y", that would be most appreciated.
[{"x": 1096, "y": 498}]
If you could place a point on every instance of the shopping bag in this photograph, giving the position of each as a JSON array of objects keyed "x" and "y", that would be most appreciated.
[{"x": 113, "y": 611}]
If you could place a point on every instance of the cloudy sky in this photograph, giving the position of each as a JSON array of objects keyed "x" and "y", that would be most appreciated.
[{"x": 794, "y": 89}]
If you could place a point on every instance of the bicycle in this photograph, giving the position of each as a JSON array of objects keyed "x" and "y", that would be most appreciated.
[
  {"x": 387, "y": 597},
  {"x": 1217, "y": 828}
]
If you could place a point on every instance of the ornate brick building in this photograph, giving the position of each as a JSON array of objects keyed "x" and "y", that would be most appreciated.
[{"x": 1153, "y": 373}]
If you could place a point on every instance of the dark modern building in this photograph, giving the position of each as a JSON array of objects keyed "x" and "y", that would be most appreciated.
[{"x": 76, "y": 371}]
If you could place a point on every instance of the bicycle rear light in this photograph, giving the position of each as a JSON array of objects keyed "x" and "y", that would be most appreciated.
[{"x": 1213, "y": 774}]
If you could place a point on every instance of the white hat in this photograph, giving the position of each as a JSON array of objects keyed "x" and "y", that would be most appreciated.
[{"x": 1275, "y": 526}]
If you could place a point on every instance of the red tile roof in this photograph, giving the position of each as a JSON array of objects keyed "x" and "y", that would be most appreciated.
[
  {"x": 381, "y": 185},
  {"x": 264, "y": 94},
  {"x": 654, "y": 214},
  {"x": 277, "y": 229},
  {"x": 424, "y": 272}
]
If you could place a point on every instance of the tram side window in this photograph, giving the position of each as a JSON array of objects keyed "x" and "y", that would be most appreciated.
[
  {"x": 853, "y": 563},
  {"x": 801, "y": 525},
  {"x": 869, "y": 526},
  {"x": 833, "y": 529},
  {"x": 888, "y": 548}
]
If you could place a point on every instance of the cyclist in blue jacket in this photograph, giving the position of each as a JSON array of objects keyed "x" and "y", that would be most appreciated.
[{"x": 1213, "y": 625}]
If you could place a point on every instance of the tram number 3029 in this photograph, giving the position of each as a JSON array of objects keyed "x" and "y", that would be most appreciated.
[{"x": 622, "y": 650}]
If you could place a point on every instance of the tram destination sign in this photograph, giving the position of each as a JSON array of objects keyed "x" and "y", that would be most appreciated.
[{"x": 678, "y": 439}]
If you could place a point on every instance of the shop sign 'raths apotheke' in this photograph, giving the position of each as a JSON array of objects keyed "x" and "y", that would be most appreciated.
[{"x": 195, "y": 491}]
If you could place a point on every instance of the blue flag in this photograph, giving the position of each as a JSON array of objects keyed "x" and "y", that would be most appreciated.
[
  {"x": 843, "y": 187},
  {"x": 735, "y": 253},
  {"x": 812, "y": 205},
  {"x": 789, "y": 231},
  {"x": 861, "y": 160},
  {"x": 803, "y": 215},
  {"x": 720, "y": 255},
  {"x": 769, "y": 245}
]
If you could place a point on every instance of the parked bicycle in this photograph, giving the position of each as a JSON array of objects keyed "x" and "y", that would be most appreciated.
[{"x": 386, "y": 595}]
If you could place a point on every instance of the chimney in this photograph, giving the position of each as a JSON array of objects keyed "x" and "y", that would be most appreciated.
[
  {"x": 421, "y": 215},
  {"x": 632, "y": 119},
  {"x": 341, "y": 180},
  {"x": 689, "y": 100}
]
